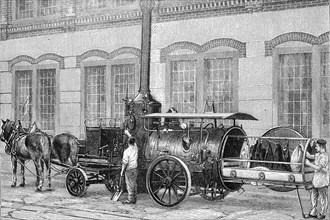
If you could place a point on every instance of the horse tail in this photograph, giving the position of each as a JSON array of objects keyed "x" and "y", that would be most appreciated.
[
  {"x": 65, "y": 148},
  {"x": 54, "y": 154}
]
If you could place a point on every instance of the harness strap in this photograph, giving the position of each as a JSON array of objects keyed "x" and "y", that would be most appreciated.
[
  {"x": 14, "y": 140},
  {"x": 9, "y": 145},
  {"x": 59, "y": 172}
]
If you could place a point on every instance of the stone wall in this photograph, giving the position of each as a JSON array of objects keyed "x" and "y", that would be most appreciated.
[{"x": 258, "y": 32}]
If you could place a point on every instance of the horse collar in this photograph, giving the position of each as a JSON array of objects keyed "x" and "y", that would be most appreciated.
[{"x": 10, "y": 149}]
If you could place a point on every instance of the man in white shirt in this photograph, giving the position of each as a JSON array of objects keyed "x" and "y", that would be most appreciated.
[
  {"x": 129, "y": 167},
  {"x": 320, "y": 180}
]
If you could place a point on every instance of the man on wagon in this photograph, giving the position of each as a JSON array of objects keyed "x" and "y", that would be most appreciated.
[{"x": 129, "y": 167}]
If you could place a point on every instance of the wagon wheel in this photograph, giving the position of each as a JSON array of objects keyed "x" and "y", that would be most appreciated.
[
  {"x": 76, "y": 182},
  {"x": 111, "y": 182},
  {"x": 168, "y": 181}
]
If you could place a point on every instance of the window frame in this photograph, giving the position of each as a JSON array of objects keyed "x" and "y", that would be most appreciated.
[
  {"x": 201, "y": 81},
  {"x": 35, "y": 93},
  {"x": 168, "y": 77},
  {"x": 109, "y": 83},
  {"x": 83, "y": 89},
  {"x": 322, "y": 49},
  {"x": 108, "y": 8},
  {"x": 15, "y": 104},
  {"x": 135, "y": 62},
  {"x": 315, "y": 52},
  {"x": 35, "y": 16}
]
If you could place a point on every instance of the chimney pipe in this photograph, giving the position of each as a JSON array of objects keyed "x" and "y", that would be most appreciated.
[{"x": 144, "y": 91}]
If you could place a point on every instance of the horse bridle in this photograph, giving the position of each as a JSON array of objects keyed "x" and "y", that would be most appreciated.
[{"x": 9, "y": 149}]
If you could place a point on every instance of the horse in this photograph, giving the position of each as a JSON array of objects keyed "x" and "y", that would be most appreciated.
[
  {"x": 64, "y": 146},
  {"x": 64, "y": 149},
  {"x": 35, "y": 146}
]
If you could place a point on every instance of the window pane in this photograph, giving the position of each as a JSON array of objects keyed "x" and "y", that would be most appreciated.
[
  {"x": 24, "y": 96},
  {"x": 93, "y": 4},
  {"x": 183, "y": 81},
  {"x": 219, "y": 87},
  {"x": 24, "y": 9},
  {"x": 124, "y": 75},
  {"x": 220, "y": 83},
  {"x": 325, "y": 130},
  {"x": 47, "y": 97},
  {"x": 95, "y": 93},
  {"x": 46, "y": 7},
  {"x": 122, "y": 2},
  {"x": 295, "y": 92}
]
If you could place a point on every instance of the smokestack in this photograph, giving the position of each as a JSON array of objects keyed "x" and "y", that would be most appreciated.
[
  {"x": 143, "y": 102},
  {"x": 144, "y": 91}
]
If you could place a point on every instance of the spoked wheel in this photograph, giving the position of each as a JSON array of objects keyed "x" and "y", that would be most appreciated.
[
  {"x": 168, "y": 181},
  {"x": 76, "y": 182}
]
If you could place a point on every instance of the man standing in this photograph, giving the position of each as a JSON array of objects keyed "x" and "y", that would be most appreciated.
[
  {"x": 129, "y": 167},
  {"x": 320, "y": 180}
]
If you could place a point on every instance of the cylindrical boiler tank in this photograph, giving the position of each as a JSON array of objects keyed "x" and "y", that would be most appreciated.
[
  {"x": 200, "y": 150},
  {"x": 194, "y": 145}
]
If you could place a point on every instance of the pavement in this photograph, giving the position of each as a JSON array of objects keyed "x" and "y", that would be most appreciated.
[{"x": 256, "y": 202}]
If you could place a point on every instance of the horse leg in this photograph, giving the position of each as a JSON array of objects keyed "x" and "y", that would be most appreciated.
[
  {"x": 22, "y": 173},
  {"x": 14, "y": 166},
  {"x": 37, "y": 173},
  {"x": 42, "y": 164},
  {"x": 48, "y": 168},
  {"x": 39, "y": 182}
]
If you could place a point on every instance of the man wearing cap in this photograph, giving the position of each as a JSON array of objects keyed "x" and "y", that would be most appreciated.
[{"x": 320, "y": 180}]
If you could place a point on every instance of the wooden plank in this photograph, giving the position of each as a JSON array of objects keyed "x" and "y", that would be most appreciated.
[
  {"x": 270, "y": 175},
  {"x": 234, "y": 116}
]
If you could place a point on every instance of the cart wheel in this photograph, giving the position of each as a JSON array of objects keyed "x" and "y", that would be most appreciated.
[
  {"x": 111, "y": 184},
  {"x": 76, "y": 182},
  {"x": 168, "y": 181}
]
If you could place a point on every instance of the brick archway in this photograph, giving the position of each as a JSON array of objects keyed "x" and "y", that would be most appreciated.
[
  {"x": 51, "y": 56},
  {"x": 105, "y": 55},
  {"x": 20, "y": 58},
  {"x": 228, "y": 42},
  {"x": 295, "y": 36}
]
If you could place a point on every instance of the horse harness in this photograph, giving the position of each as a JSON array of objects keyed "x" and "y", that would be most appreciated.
[{"x": 13, "y": 139}]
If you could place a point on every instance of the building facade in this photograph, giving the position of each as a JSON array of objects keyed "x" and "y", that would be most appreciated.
[{"x": 63, "y": 61}]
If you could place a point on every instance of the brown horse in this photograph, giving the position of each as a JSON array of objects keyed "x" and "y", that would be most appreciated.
[
  {"x": 64, "y": 146},
  {"x": 35, "y": 146},
  {"x": 64, "y": 149}
]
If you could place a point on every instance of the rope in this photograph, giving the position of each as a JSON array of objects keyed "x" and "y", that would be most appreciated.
[
  {"x": 51, "y": 167},
  {"x": 25, "y": 166}
]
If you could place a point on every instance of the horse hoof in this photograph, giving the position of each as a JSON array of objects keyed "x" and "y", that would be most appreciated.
[
  {"x": 13, "y": 185},
  {"x": 22, "y": 184},
  {"x": 49, "y": 189}
]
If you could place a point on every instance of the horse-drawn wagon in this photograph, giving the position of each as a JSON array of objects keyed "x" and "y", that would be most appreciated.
[{"x": 99, "y": 157}]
